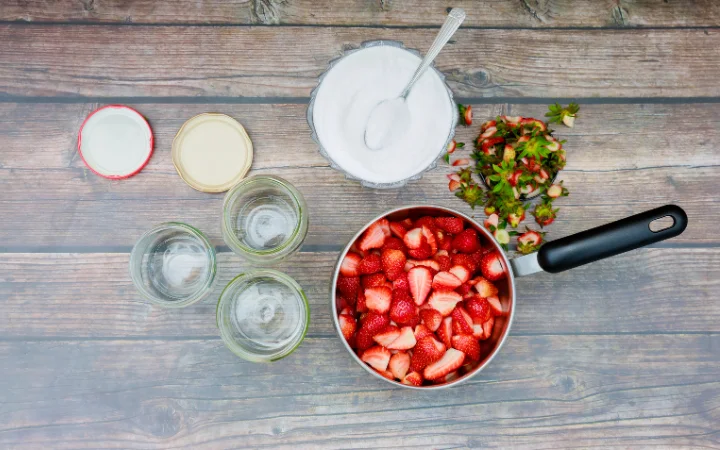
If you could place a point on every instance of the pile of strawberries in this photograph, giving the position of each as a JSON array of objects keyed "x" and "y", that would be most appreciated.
[{"x": 416, "y": 298}]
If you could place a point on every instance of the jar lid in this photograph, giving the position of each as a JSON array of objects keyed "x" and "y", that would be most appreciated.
[
  {"x": 115, "y": 142},
  {"x": 212, "y": 152}
]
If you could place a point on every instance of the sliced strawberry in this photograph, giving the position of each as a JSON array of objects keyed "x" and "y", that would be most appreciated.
[
  {"x": 386, "y": 374},
  {"x": 492, "y": 221},
  {"x": 347, "y": 311},
  {"x": 468, "y": 115},
  {"x": 466, "y": 261},
  {"x": 401, "y": 283},
  {"x": 477, "y": 256},
  {"x": 393, "y": 243},
  {"x": 479, "y": 309},
  {"x": 361, "y": 305},
  {"x": 488, "y": 124},
  {"x": 378, "y": 299},
  {"x": 446, "y": 281},
  {"x": 468, "y": 345},
  {"x": 492, "y": 266},
  {"x": 487, "y": 328},
  {"x": 444, "y": 262},
  {"x": 445, "y": 331},
  {"x": 426, "y": 221},
  {"x": 399, "y": 365},
  {"x": 398, "y": 229},
  {"x": 529, "y": 241},
  {"x": 403, "y": 312},
  {"x": 429, "y": 263},
  {"x": 420, "y": 280},
  {"x": 387, "y": 336},
  {"x": 423, "y": 252},
  {"x": 542, "y": 176},
  {"x": 461, "y": 321},
  {"x": 485, "y": 288},
  {"x": 370, "y": 326},
  {"x": 375, "y": 235},
  {"x": 489, "y": 132},
  {"x": 431, "y": 318},
  {"x": 452, "y": 145},
  {"x": 453, "y": 225},
  {"x": 511, "y": 119},
  {"x": 377, "y": 357},
  {"x": 495, "y": 305},
  {"x": 427, "y": 351},
  {"x": 348, "y": 325},
  {"x": 413, "y": 379},
  {"x": 444, "y": 240},
  {"x": 393, "y": 264},
  {"x": 514, "y": 178},
  {"x": 349, "y": 266},
  {"x": 461, "y": 162},
  {"x": 464, "y": 289},
  {"x": 467, "y": 241},
  {"x": 488, "y": 145},
  {"x": 450, "y": 362},
  {"x": 461, "y": 272},
  {"x": 454, "y": 185},
  {"x": 431, "y": 240},
  {"x": 348, "y": 286},
  {"x": 444, "y": 301},
  {"x": 374, "y": 280},
  {"x": 414, "y": 238},
  {"x": 405, "y": 341},
  {"x": 421, "y": 331},
  {"x": 370, "y": 264},
  {"x": 502, "y": 236}
]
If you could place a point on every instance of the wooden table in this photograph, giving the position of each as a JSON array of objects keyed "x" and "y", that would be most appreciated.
[{"x": 624, "y": 353}]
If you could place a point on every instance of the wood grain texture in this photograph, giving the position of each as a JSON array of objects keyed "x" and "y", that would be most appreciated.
[
  {"x": 91, "y": 295},
  {"x": 286, "y": 61},
  {"x": 488, "y": 13},
  {"x": 541, "y": 392},
  {"x": 622, "y": 160}
]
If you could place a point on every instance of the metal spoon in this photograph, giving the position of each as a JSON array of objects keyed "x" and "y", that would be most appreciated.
[{"x": 390, "y": 119}]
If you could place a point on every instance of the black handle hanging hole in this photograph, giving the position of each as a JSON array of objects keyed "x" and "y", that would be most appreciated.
[{"x": 663, "y": 223}]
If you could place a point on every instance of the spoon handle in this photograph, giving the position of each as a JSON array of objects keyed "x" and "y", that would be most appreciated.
[{"x": 452, "y": 23}]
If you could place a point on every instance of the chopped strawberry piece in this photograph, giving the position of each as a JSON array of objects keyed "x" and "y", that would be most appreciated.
[
  {"x": 453, "y": 225},
  {"x": 387, "y": 336},
  {"x": 405, "y": 341},
  {"x": 393, "y": 243},
  {"x": 488, "y": 145},
  {"x": 444, "y": 240},
  {"x": 401, "y": 283},
  {"x": 466, "y": 261},
  {"x": 446, "y": 281},
  {"x": 468, "y": 345},
  {"x": 398, "y": 229},
  {"x": 403, "y": 311},
  {"x": 349, "y": 266},
  {"x": 378, "y": 299},
  {"x": 431, "y": 318},
  {"x": 477, "y": 257},
  {"x": 479, "y": 309},
  {"x": 393, "y": 263},
  {"x": 399, "y": 365},
  {"x": 348, "y": 325},
  {"x": 492, "y": 266},
  {"x": 377, "y": 357},
  {"x": 478, "y": 332},
  {"x": 486, "y": 125},
  {"x": 427, "y": 351},
  {"x": 454, "y": 185},
  {"x": 495, "y": 305},
  {"x": 429, "y": 263},
  {"x": 487, "y": 328},
  {"x": 413, "y": 379},
  {"x": 375, "y": 235},
  {"x": 445, "y": 331},
  {"x": 444, "y": 301},
  {"x": 452, "y": 145},
  {"x": 372, "y": 324},
  {"x": 514, "y": 178},
  {"x": 468, "y": 115},
  {"x": 347, "y": 311},
  {"x": 342, "y": 302},
  {"x": 461, "y": 321},
  {"x": 485, "y": 288},
  {"x": 421, "y": 331},
  {"x": 461, "y": 272},
  {"x": 431, "y": 240},
  {"x": 374, "y": 280},
  {"x": 348, "y": 286},
  {"x": 492, "y": 221},
  {"x": 360, "y": 305},
  {"x": 386, "y": 374},
  {"x": 464, "y": 289},
  {"x": 450, "y": 362},
  {"x": 370, "y": 264},
  {"x": 414, "y": 238},
  {"x": 467, "y": 241},
  {"x": 426, "y": 221},
  {"x": 420, "y": 281},
  {"x": 444, "y": 262},
  {"x": 423, "y": 252}
]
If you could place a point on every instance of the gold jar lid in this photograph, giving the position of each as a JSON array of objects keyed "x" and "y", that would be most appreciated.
[{"x": 212, "y": 152}]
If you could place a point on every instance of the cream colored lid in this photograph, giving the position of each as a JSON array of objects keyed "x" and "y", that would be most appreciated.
[{"x": 212, "y": 152}]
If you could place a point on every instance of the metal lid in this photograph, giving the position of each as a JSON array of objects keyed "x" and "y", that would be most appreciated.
[
  {"x": 115, "y": 142},
  {"x": 212, "y": 152}
]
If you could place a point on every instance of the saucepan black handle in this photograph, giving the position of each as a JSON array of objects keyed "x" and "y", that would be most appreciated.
[{"x": 610, "y": 240}]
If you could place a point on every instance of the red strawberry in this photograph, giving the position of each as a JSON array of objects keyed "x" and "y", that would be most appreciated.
[
  {"x": 451, "y": 146},
  {"x": 378, "y": 299},
  {"x": 478, "y": 332},
  {"x": 461, "y": 272},
  {"x": 431, "y": 318},
  {"x": 426, "y": 221},
  {"x": 461, "y": 162},
  {"x": 349, "y": 265},
  {"x": 429, "y": 263},
  {"x": 414, "y": 238},
  {"x": 342, "y": 302},
  {"x": 454, "y": 185},
  {"x": 444, "y": 240},
  {"x": 348, "y": 286},
  {"x": 423, "y": 252},
  {"x": 487, "y": 328},
  {"x": 401, "y": 283},
  {"x": 492, "y": 266},
  {"x": 529, "y": 241},
  {"x": 468, "y": 345},
  {"x": 360, "y": 305},
  {"x": 413, "y": 379},
  {"x": 386, "y": 374},
  {"x": 488, "y": 145},
  {"x": 427, "y": 351},
  {"x": 374, "y": 280},
  {"x": 372, "y": 324},
  {"x": 370, "y": 264},
  {"x": 479, "y": 309},
  {"x": 453, "y": 225},
  {"x": 431, "y": 240},
  {"x": 488, "y": 124},
  {"x": 464, "y": 289},
  {"x": 485, "y": 288},
  {"x": 466, "y": 261},
  {"x": 347, "y": 325},
  {"x": 445, "y": 331},
  {"x": 407, "y": 223},
  {"x": 421, "y": 331},
  {"x": 393, "y": 263},
  {"x": 488, "y": 132},
  {"x": 377, "y": 357},
  {"x": 375, "y": 235},
  {"x": 477, "y": 257},
  {"x": 445, "y": 280},
  {"x": 492, "y": 221},
  {"x": 420, "y": 281},
  {"x": 399, "y": 365},
  {"x": 467, "y": 115},
  {"x": 444, "y": 262},
  {"x": 405, "y": 341},
  {"x": 450, "y": 362},
  {"x": 542, "y": 176},
  {"x": 467, "y": 241},
  {"x": 514, "y": 177},
  {"x": 403, "y": 312},
  {"x": 393, "y": 243},
  {"x": 398, "y": 229},
  {"x": 444, "y": 301},
  {"x": 461, "y": 321},
  {"x": 403, "y": 294},
  {"x": 495, "y": 305},
  {"x": 387, "y": 336}
]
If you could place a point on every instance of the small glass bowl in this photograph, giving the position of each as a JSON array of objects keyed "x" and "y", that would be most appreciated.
[
  {"x": 264, "y": 219},
  {"x": 263, "y": 315},
  {"x": 173, "y": 265}
]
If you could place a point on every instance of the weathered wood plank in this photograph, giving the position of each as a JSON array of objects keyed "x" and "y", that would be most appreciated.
[
  {"x": 488, "y": 13},
  {"x": 623, "y": 159},
  {"x": 650, "y": 290},
  {"x": 286, "y": 61},
  {"x": 540, "y": 393}
]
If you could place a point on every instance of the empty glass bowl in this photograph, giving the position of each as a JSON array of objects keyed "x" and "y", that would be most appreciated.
[
  {"x": 263, "y": 315},
  {"x": 264, "y": 219},
  {"x": 173, "y": 265}
]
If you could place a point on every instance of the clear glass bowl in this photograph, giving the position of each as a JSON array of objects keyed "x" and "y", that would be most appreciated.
[
  {"x": 264, "y": 219},
  {"x": 334, "y": 165},
  {"x": 263, "y": 315},
  {"x": 173, "y": 265}
]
